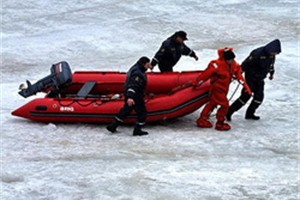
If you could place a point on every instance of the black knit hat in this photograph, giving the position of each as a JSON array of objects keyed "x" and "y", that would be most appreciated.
[
  {"x": 228, "y": 54},
  {"x": 181, "y": 34}
]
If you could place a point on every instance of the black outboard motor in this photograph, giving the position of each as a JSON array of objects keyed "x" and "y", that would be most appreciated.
[{"x": 60, "y": 75}]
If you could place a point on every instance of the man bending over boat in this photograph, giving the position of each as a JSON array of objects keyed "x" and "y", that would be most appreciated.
[
  {"x": 170, "y": 52},
  {"x": 135, "y": 85},
  {"x": 220, "y": 72}
]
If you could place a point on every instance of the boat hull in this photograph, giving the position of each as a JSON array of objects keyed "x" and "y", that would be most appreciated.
[{"x": 168, "y": 97}]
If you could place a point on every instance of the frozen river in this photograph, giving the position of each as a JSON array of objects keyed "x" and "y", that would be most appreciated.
[{"x": 177, "y": 161}]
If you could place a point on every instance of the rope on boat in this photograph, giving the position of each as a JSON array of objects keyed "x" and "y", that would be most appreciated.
[
  {"x": 79, "y": 103},
  {"x": 236, "y": 89}
]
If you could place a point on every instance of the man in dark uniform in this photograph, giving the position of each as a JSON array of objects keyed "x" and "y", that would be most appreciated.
[
  {"x": 170, "y": 52},
  {"x": 257, "y": 65},
  {"x": 135, "y": 85}
]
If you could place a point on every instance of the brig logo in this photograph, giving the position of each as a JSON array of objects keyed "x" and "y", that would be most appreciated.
[{"x": 68, "y": 109}]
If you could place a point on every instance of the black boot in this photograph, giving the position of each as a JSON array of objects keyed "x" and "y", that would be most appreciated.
[
  {"x": 112, "y": 127},
  {"x": 234, "y": 107},
  {"x": 253, "y": 117},
  {"x": 251, "y": 110},
  {"x": 138, "y": 131}
]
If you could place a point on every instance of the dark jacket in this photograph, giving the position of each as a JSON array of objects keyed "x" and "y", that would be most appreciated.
[
  {"x": 260, "y": 62},
  {"x": 169, "y": 54},
  {"x": 136, "y": 81}
]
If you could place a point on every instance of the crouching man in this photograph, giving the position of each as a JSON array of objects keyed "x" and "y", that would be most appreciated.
[
  {"x": 135, "y": 85},
  {"x": 220, "y": 72}
]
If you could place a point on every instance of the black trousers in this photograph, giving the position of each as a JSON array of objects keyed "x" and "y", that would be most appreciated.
[
  {"x": 257, "y": 88},
  {"x": 139, "y": 107},
  {"x": 165, "y": 68}
]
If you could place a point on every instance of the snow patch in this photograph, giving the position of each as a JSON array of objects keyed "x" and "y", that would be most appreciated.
[{"x": 11, "y": 178}]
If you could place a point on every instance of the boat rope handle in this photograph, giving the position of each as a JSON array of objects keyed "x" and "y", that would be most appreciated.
[
  {"x": 180, "y": 87},
  {"x": 81, "y": 104},
  {"x": 95, "y": 100},
  {"x": 236, "y": 89}
]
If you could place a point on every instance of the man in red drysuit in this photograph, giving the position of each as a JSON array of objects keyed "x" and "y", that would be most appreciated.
[{"x": 220, "y": 72}]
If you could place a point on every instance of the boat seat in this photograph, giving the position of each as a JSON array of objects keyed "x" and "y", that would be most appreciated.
[{"x": 86, "y": 89}]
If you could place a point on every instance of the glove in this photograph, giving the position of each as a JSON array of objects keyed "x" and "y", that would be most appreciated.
[
  {"x": 193, "y": 54},
  {"x": 153, "y": 63},
  {"x": 271, "y": 77},
  {"x": 247, "y": 89}
]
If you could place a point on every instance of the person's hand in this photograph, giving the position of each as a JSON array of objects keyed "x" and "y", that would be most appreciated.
[
  {"x": 271, "y": 77},
  {"x": 247, "y": 89},
  {"x": 130, "y": 102},
  {"x": 193, "y": 54}
]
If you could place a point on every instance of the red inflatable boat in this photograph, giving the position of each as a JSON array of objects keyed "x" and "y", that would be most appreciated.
[{"x": 96, "y": 97}]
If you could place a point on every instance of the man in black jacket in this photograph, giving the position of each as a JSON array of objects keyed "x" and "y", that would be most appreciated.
[
  {"x": 135, "y": 85},
  {"x": 257, "y": 65},
  {"x": 170, "y": 52}
]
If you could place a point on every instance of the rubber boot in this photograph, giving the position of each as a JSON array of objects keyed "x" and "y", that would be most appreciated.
[
  {"x": 251, "y": 110},
  {"x": 221, "y": 126},
  {"x": 234, "y": 107},
  {"x": 138, "y": 131},
  {"x": 112, "y": 127}
]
